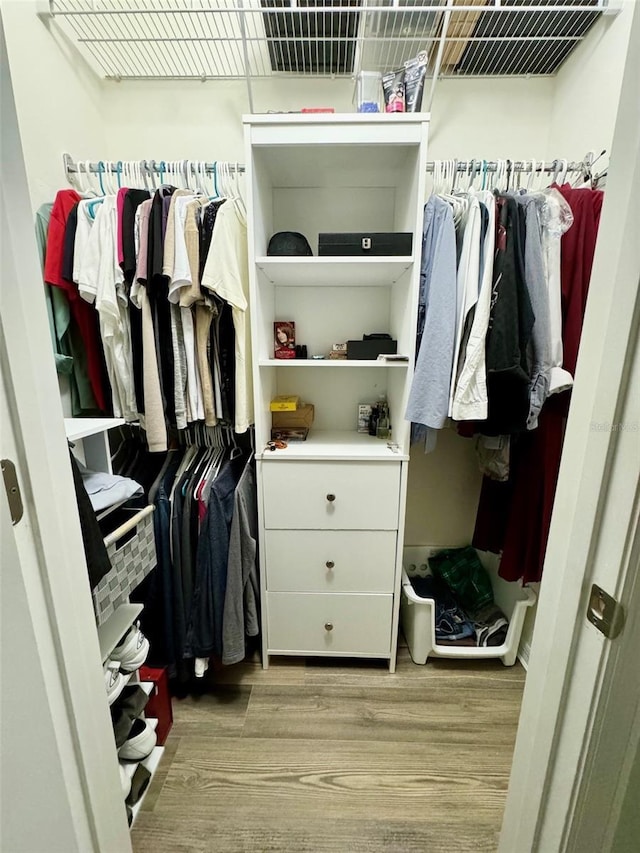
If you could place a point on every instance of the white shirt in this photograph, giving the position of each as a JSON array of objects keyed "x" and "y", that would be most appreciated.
[
  {"x": 181, "y": 271},
  {"x": 470, "y": 401},
  {"x": 226, "y": 273},
  {"x": 102, "y": 281},
  {"x": 556, "y": 218},
  {"x": 83, "y": 229},
  {"x": 467, "y": 283}
]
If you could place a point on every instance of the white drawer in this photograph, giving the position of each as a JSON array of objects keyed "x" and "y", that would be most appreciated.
[
  {"x": 329, "y": 623},
  {"x": 330, "y": 561},
  {"x": 331, "y": 495}
]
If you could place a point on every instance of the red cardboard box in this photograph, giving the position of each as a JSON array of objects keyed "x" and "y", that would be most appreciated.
[{"x": 159, "y": 704}]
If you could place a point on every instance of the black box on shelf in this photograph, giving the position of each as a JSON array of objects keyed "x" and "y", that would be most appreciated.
[
  {"x": 371, "y": 349},
  {"x": 375, "y": 244}
]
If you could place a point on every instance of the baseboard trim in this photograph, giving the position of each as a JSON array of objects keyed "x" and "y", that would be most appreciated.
[{"x": 524, "y": 653}]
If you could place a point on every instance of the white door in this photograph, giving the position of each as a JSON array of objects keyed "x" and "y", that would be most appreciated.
[
  {"x": 60, "y": 785},
  {"x": 579, "y": 727}
]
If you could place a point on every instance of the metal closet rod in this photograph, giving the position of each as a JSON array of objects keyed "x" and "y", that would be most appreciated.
[
  {"x": 513, "y": 165},
  {"x": 157, "y": 167},
  {"x": 160, "y": 166}
]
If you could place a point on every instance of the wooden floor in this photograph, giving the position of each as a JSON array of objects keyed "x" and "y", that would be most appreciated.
[{"x": 310, "y": 756}]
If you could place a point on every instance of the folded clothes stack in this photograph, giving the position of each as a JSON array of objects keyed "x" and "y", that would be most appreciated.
[
  {"x": 466, "y": 613},
  {"x": 105, "y": 489}
]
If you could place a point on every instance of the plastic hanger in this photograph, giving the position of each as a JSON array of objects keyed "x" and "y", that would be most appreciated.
[
  {"x": 563, "y": 172},
  {"x": 508, "y": 174},
  {"x": 100, "y": 171},
  {"x": 215, "y": 179}
]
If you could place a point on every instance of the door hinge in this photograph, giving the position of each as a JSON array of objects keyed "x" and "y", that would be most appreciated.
[
  {"x": 605, "y": 613},
  {"x": 12, "y": 489}
]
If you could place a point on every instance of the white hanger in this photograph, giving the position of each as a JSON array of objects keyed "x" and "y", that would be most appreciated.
[
  {"x": 436, "y": 177},
  {"x": 202, "y": 168},
  {"x": 563, "y": 173},
  {"x": 239, "y": 196},
  {"x": 109, "y": 178},
  {"x": 76, "y": 180}
]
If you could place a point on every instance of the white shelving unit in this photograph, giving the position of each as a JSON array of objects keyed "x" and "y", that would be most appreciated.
[
  {"x": 91, "y": 440},
  {"x": 151, "y": 763},
  {"x": 110, "y": 632},
  {"x": 340, "y": 444},
  {"x": 90, "y": 435},
  {"x": 315, "y": 174},
  {"x": 331, "y": 363},
  {"x": 329, "y": 272}
]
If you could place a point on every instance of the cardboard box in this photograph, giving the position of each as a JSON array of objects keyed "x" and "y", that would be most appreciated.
[
  {"x": 285, "y": 404},
  {"x": 301, "y": 418}
]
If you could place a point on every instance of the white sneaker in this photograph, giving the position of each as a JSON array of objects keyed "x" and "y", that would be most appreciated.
[
  {"x": 140, "y": 743},
  {"x": 133, "y": 650},
  {"x": 114, "y": 680},
  {"x": 125, "y": 781}
]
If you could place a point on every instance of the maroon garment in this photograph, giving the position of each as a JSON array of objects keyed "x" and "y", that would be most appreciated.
[
  {"x": 84, "y": 315},
  {"x": 515, "y": 516}
]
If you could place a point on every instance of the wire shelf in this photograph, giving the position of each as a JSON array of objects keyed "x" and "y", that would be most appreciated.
[{"x": 233, "y": 39}]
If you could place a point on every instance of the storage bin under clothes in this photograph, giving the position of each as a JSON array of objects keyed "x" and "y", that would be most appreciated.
[
  {"x": 132, "y": 551},
  {"x": 417, "y": 615}
]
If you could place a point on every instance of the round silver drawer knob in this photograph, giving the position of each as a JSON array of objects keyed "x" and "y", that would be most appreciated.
[
  {"x": 329, "y": 564},
  {"x": 328, "y": 626},
  {"x": 331, "y": 498}
]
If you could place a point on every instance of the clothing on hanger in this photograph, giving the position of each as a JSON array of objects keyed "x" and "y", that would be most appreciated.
[{"x": 514, "y": 517}]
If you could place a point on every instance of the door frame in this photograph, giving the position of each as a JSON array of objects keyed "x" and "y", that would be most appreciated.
[
  {"x": 565, "y": 704},
  {"x": 51, "y": 562},
  {"x": 58, "y": 586}
]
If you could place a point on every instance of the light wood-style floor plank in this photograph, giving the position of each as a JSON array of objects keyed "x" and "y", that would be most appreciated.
[
  {"x": 317, "y": 756},
  {"x": 156, "y": 833},
  {"x": 218, "y": 713},
  {"x": 326, "y": 671},
  {"x": 293, "y": 779},
  {"x": 439, "y": 713}
]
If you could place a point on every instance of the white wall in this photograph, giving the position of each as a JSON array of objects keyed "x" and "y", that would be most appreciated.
[
  {"x": 58, "y": 98},
  {"x": 195, "y": 120},
  {"x": 587, "y": 89}
]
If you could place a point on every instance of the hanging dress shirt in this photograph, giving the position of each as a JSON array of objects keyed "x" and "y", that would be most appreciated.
[
  {"x": 534, "y": 274},
  {"x": 466, "y": 284},
  {"x": 556, "y": 219},
  {"x": 226, "y": 273},
  {"x": 102, "y": 282},
  {"x": 470, "y": 396},
  {"x": 429, "y": 397}
]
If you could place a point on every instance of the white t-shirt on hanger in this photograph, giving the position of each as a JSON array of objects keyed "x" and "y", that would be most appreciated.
[
  {"x": 101, "y": 281},
  {"x": 226, "y": 273}
]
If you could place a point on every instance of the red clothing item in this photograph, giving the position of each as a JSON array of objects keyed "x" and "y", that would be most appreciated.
[
  {"x": 577, "y": 249},
  {"x": 515, "y": 517},
  {"x": 84, "y": 315}
]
